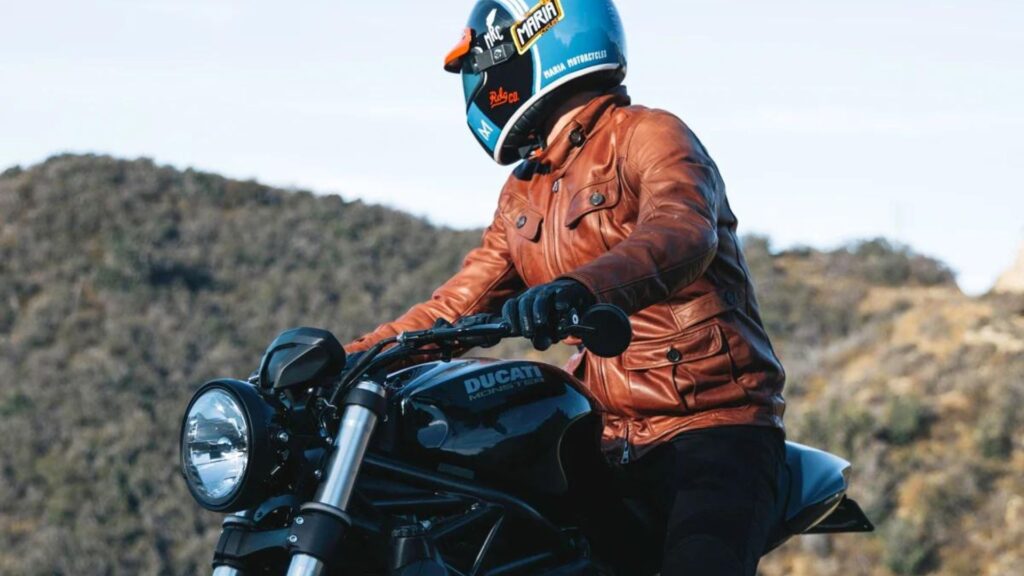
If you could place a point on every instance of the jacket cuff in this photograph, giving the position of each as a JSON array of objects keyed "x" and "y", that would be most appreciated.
[{"x": 587, "y": 283}]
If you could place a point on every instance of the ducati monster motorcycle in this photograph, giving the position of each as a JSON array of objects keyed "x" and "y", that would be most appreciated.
[{"x": 408, "y": 462}]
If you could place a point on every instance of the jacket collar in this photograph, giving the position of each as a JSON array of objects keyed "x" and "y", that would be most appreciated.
[{"x": 575, "y": 134}]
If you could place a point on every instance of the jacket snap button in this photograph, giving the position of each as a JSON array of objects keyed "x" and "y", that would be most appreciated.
[
  {"x": 521, "y": 221},
  {"x": 674, "y": 355},
  {"x": 576, "y": 137},
  {"x": 597, "y": 198},
  {"x": 730, "y": 298},
  {"x": 556, "y": 185}
]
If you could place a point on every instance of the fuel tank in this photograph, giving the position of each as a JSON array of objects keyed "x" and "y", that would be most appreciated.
[{"x": 511, "y": 423}]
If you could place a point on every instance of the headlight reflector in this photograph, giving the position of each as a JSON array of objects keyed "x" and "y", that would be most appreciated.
[
  {"x": 216, "y": 445},
  {"x": 226, "y": 456}
]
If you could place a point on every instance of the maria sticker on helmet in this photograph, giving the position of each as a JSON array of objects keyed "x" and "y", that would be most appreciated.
[{"x": 535, "y": 23}]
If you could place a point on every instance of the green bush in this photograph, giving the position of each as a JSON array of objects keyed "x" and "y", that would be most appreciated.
[
  {"x": 841, "y": 427},
  {"x": 906, "y": 419},
  {"x": 16, "y": 404},
  {"x": 908, "y": 548}
]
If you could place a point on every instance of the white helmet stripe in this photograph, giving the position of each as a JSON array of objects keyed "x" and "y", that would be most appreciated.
[
  {"x": 522, "y": 4},
  {"x": 515, "y": 7}
]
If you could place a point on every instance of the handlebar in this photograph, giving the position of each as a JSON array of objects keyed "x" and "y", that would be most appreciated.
[
  {"x": 491, "y": 327},
  {"x": 484, "y": 327},
  {"x": 604, "y": 329}
]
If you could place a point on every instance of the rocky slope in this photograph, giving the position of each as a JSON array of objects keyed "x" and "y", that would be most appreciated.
[{"x": 923, "y": 396}]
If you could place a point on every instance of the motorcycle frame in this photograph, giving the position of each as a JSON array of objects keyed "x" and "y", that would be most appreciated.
[{"x": 244, "y": 545}]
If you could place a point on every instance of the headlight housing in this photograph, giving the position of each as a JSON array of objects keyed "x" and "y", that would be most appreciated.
[{"x": 226, "y": 455}]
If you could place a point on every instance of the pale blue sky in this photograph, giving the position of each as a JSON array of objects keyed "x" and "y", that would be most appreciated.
[{"x": 829, "y": 120}]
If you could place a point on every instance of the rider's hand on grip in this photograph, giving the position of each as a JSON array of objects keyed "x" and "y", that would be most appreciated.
[{"x": 538, "y": 312}]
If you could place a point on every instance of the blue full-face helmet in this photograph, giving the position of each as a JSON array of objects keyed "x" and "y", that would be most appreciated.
[{"x": 519, "y": 62}]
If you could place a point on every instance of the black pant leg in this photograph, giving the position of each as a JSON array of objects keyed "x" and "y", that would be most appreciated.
[{"x": 720, "y": 497}]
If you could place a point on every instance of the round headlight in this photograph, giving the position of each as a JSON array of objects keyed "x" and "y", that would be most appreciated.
[
  {"x": 215, "y": 450},
  {"x": 224, "y": 450}
]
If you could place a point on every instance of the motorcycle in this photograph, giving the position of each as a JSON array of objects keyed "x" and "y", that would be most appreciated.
[{"x": 445, "y": 467}]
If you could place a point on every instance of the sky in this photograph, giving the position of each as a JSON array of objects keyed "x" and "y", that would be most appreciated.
[{"x": 830, "y": 121}]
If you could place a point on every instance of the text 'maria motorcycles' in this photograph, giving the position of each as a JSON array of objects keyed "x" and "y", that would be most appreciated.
[{"x": 465, "y": 467}]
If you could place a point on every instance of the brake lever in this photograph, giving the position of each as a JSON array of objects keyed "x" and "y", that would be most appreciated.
[{"x": 570, "y": 326}]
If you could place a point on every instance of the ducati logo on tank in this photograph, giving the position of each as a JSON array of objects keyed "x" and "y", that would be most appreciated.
[
  {"x": 502, "y": 380},
  {"x": 535, "y": 23}
]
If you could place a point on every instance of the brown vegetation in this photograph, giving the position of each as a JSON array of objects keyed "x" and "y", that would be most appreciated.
[{"x": 123, "y": 285}]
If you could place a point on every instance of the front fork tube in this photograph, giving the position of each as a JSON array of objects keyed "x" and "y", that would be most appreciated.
[
  {"x": 363, "y": 407},
  {"x": 226, "y": 571}
]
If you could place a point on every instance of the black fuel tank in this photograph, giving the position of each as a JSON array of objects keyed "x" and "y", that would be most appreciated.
[{"x": 502, "y": 421}]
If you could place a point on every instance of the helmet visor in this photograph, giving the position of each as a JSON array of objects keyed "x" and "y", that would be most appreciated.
[{"x": 453, "y": 60}]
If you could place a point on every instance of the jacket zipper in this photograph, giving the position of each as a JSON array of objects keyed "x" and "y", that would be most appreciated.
[{"x": 555, "y": 263}]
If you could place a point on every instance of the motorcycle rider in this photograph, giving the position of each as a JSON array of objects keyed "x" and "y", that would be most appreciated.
[{"x": 622, "y": 204}]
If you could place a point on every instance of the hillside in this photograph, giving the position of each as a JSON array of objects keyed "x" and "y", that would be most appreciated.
[
  {"x": 921, "y": 391},
  {"x": 123, "y": 285}
]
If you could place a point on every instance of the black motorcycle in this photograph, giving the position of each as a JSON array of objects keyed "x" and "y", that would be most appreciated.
[{"x": 465, "y": 467}]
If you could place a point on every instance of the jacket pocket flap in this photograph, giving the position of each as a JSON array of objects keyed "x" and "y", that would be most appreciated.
[
  {"x": 590, "y": 199},
  {"x": 526, "y": 222},
  {"x": 687, "y": 347}
]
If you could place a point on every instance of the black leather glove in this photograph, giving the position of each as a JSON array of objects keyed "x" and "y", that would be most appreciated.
[
  {"x": 536, "y": 312},
  {"x": 477, "y": 341}
]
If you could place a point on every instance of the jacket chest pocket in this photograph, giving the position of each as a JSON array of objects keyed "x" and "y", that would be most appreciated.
[
  {"x": 597, "y": 216},
  {"x": 523, "y": 232},
  {"x": 688, "y": 373}
]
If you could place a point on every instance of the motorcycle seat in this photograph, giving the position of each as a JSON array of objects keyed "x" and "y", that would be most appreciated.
[{"x": 813, "y": 482}]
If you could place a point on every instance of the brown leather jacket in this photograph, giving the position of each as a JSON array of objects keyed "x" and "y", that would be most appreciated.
[{"x": 627, "y": 201}]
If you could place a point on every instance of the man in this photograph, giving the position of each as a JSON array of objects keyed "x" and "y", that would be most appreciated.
[{"x": 622, "y": 204}]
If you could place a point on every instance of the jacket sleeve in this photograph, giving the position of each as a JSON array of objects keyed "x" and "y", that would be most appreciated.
[
  {"x": 675, "y": 238},
  {"x": 487, "y": 278}
]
